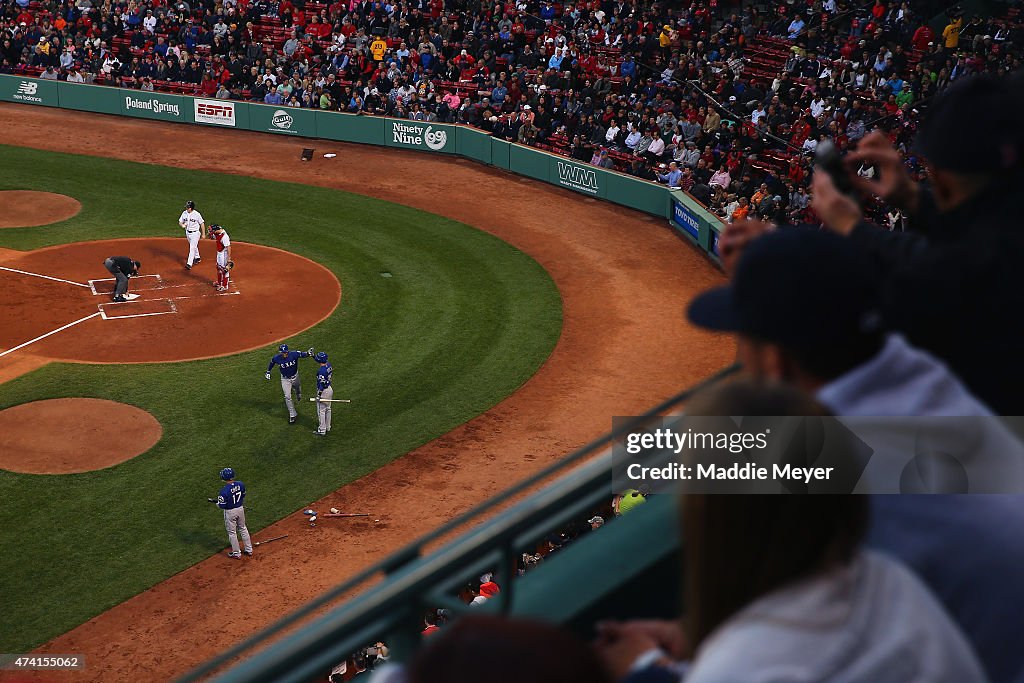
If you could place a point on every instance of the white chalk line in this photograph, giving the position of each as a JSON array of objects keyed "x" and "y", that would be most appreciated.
[
  {"x": 45, "y": 277},
  {"x": 103, "y": 313},
  {"x": 44, "y": 336},
  {"x": 160, "y": 287},
  {"x": 169, "y": 300},
  {"x": 92, "y": 283}
]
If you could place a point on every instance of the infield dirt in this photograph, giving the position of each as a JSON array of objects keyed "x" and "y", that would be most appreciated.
[{"x": 624, "y": 279}]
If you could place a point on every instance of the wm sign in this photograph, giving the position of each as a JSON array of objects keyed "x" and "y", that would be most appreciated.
[{"x": 577, "y": 177}]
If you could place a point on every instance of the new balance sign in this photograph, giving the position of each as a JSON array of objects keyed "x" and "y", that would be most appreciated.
[
  {"x": 26, "y": 92},
  {"x": 578, "y": 177},
  {"x": 217, "y": 112}
]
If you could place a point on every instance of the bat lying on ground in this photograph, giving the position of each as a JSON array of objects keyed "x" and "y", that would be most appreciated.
[
  {"x": 332, "y": 400},
  {"x": 271, "y": 540},
  {"x": 345, "y": 514}
]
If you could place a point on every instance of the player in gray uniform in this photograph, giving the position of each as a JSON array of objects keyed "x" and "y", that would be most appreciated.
[
  {"x": 324, "y": 394},
  {"x": 230, "y": 500},
  {"x": 288, "y": 362}
]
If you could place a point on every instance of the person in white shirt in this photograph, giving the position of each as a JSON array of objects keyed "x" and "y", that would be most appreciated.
[
  {"x": 192, "y": 222},
  {"x": 612, "y": 132},
  {"x": 657, "y": 146},
  {"x": 76, "y": 77},
  {"x": 149, "y": 22},
  {"x": 817, "y": 106},
  {"x": 756, "y": 115}
]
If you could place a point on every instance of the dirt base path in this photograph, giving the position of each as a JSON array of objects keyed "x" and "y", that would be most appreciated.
[{"x": 624, "y": 280}]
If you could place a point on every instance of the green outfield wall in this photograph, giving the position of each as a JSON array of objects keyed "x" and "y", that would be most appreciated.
[{"x": 682, "y": 211}]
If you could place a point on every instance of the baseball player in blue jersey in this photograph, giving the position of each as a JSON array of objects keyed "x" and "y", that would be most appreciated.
[
  {"x": 324, "y": 393},
  {"x": 288, "y": 362},
  {"x": 230, "y": 500}
]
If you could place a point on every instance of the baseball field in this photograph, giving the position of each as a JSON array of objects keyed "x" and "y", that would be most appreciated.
[
  {"x": 460, "y": 321},
  {"x": 481, "y": 324}
]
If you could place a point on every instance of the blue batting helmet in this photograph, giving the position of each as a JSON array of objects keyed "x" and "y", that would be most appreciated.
[
  {"x": 320, "y": 357},
  {"x": 283, "y": 348},
  {"x": 190, "y": 204},
  {"x": 227, "y": 473}
]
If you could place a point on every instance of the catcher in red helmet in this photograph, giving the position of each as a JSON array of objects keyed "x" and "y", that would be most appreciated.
[{"x": 224, "y": 262}]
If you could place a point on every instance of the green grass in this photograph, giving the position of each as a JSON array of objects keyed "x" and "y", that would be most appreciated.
[{"x": 463, "y": 322}]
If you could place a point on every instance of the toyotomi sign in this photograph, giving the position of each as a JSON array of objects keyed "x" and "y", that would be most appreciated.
[
  {"x": 418, "y": 136},
  {"x": 216, "y": 112},
  {"x": 686, "y": 219},
  {"x": 577, "y": 177},
  {"x": 153, "y": 105},
  {"x": 26, "y": 92}
]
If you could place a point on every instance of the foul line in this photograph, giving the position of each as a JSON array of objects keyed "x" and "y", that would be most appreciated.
[
  {"x": 44, "y": 336},
  {"x": 45, "y": 277},
  {"x": 103, "y": 313}
]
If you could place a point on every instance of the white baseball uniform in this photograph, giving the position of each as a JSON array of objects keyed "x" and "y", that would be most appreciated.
[
  {"x": 223, "y": 275},
  {"x": 192, "y": 221}
]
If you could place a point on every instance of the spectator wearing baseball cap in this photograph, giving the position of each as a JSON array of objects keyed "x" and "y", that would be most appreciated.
[
  {"x": 804, "y": 307},
  {"x": 953, "y": 277},
  {"x": 806, "y": 310}
]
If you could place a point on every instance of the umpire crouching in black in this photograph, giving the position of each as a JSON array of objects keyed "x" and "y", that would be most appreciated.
[
  {"x": 954, "y": 283},
  {"x": 122, "y": 268}
]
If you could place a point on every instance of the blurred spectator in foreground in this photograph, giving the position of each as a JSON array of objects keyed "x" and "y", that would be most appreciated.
[
  {"x": 802, "y": 303},
  {"x": 482, "y": 648},
  {"x": 778, "y": 588},
  {"x": 952, "y": 278},
  {"x": 806, "y": 311}
]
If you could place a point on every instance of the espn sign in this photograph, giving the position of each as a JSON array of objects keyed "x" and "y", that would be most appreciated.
[{"x": 216, "y": 112}]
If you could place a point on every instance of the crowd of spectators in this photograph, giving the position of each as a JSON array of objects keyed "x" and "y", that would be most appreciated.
[{"x": 725, "y": 102}]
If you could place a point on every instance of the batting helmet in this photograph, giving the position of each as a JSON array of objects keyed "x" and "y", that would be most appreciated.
[
  {"x": 190, "y": 204},
  {"x": 283, "y": 348},
  {"x": 227, "y": 473},
  {"x": 320, "y": 357}
]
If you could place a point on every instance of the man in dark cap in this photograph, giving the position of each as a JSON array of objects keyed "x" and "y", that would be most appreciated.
[
  {"x": 953, "y": 283},
  {"x": 803, "y": 305},
  {"x": 805, "y": 309},
  {"x": 122, "y": 268}
]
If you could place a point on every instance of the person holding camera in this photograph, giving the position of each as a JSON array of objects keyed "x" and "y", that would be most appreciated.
[{"x": 954, "y": 275}]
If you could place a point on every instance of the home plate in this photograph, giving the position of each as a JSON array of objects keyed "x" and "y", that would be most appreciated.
[{"x": 131, "y": 297}]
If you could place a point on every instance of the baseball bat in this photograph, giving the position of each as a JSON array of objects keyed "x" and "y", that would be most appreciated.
[
  {"x": 345, "y": 514},
  {"x": 331, "y": 400},
  {"x": 271, "y": 540}
]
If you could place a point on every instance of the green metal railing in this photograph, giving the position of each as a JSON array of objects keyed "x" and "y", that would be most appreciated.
[{"x": 409, "y": 581}]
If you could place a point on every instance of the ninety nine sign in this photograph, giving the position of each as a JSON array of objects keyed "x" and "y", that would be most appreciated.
[
  {"x": 418, "y": 136},
  {"x": 577, "y": 177},
  {"x": 216, "y": 112}
]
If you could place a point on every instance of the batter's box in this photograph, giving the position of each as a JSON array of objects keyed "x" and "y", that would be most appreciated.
[
  {"x": 140, "y": 283},
  {"x": 137, "y": 309}
]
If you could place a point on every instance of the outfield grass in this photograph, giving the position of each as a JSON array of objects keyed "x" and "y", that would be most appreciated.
[{"x": 463, "y": 322}]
